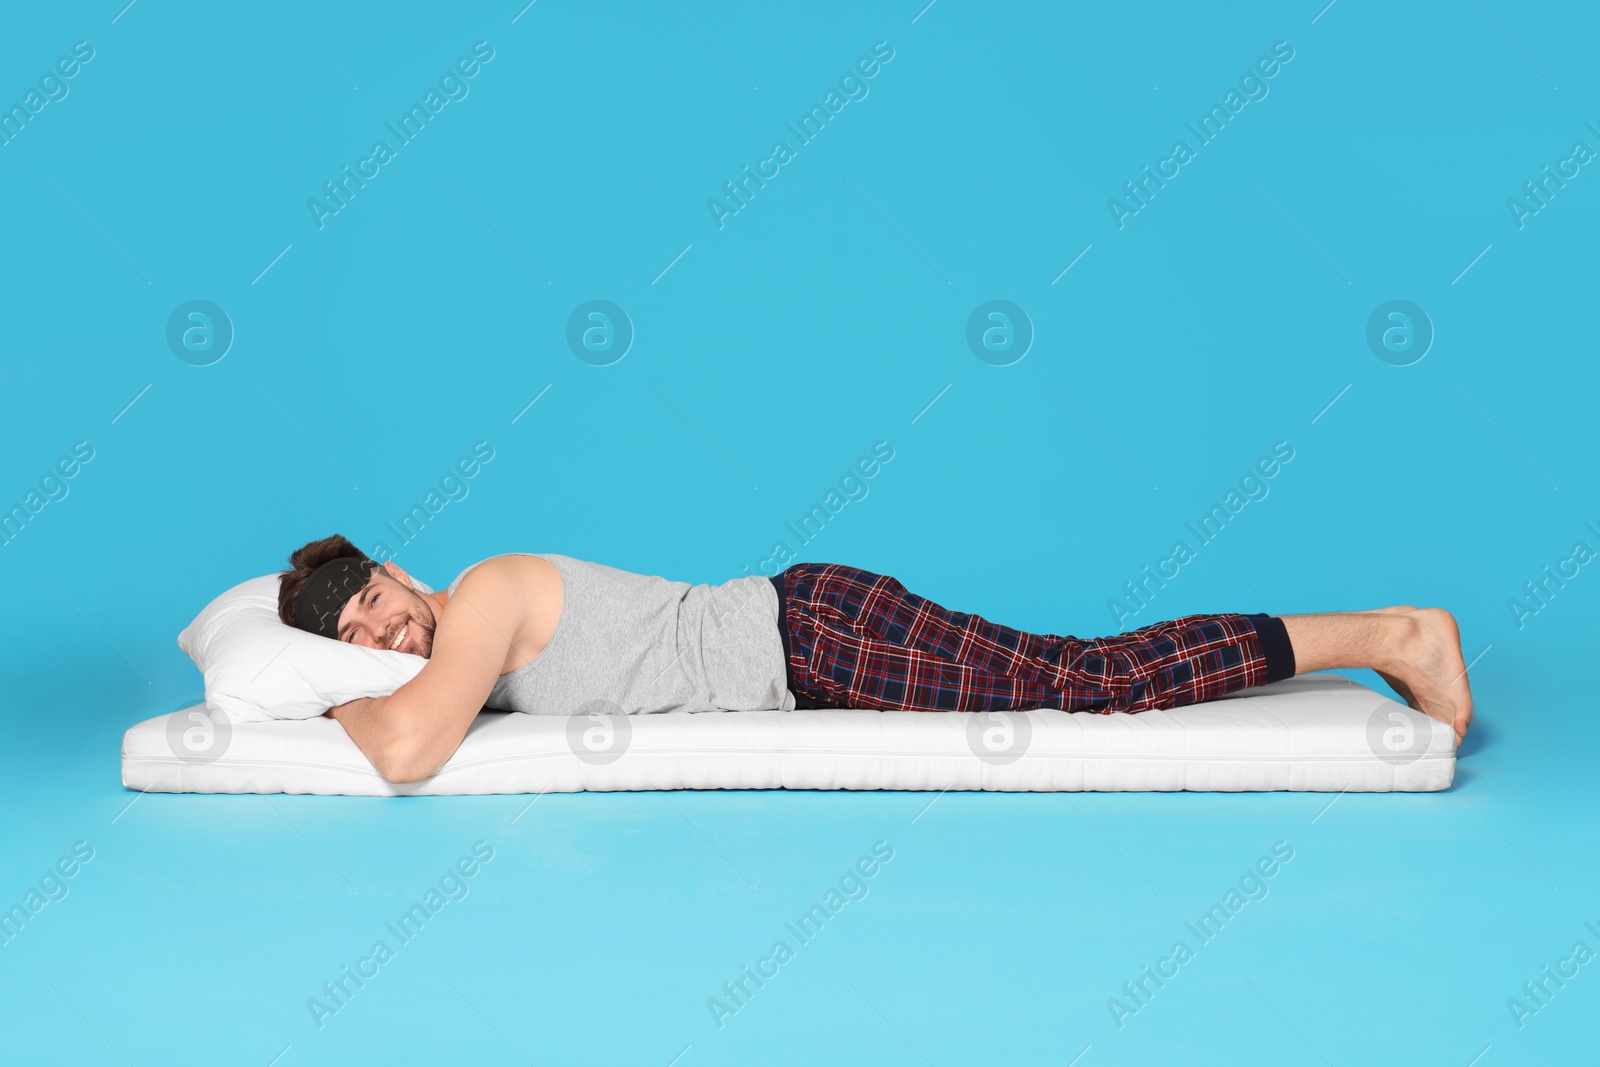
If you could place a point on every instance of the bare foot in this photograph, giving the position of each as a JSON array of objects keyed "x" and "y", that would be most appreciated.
[
  {"x": 1394, "y": 683},
  {"x": 1399, "y": 687},
  {"x": 1427, "y": 668}
]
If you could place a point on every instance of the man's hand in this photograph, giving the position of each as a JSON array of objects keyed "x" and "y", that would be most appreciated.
[{"x": 347, "y": 708}]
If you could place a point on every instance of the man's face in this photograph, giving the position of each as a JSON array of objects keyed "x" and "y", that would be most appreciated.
[{"x": 388, "y": 611}]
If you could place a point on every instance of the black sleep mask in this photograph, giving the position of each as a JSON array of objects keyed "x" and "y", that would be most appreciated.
[{"x": 328, "y": 590}]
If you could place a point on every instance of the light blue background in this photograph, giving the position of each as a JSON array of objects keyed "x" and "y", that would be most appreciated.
[{"x": 825, "y": 316}]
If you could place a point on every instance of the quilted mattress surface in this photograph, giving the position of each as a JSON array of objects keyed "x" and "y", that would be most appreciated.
[{"x": 1316, "y": 732}]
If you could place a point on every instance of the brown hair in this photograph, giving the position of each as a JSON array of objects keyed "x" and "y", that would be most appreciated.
[{"x": 304, "y": 560}]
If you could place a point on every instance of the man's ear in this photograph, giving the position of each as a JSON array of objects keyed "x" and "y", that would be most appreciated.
[{"x": 392, "y": 569}]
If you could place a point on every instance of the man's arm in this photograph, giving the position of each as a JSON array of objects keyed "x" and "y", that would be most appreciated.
[{"x": 411, "y": 732}]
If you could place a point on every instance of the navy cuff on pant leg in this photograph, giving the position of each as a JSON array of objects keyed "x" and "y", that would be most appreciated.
[{"x": 1275, "y": 646}]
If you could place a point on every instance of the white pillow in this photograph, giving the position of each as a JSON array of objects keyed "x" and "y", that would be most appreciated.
[{"x": 257, "y": 668}]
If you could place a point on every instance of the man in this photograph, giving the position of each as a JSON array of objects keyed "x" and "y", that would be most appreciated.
[{"x": 549, "y": 633}]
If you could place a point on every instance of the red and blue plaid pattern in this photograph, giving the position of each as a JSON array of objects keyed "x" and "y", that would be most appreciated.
[{"x": 855, "y": 639}]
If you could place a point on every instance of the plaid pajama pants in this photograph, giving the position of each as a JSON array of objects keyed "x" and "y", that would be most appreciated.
[{"x": 854, "y": 639}]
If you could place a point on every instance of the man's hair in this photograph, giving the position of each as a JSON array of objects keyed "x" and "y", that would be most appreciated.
[{"x": 303, "y": 561}]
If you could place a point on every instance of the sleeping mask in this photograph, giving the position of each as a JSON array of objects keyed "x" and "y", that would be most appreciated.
[{"x": 328, "y": 590}]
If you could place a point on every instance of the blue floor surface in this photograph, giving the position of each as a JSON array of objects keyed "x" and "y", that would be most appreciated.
[{"x": 993, "y": 928}]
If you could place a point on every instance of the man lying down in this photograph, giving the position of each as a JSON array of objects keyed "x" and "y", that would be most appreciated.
[{"x": 543, "y": 633}]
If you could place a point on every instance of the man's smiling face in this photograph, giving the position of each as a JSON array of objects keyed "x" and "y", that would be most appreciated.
[{"x": 388, "y": 613}]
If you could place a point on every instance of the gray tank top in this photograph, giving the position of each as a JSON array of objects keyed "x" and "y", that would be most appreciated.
[{"x": 651, "y": 645}]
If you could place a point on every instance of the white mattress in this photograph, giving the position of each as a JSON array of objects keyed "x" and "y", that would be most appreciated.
[{"x": 1314, "y": 733}]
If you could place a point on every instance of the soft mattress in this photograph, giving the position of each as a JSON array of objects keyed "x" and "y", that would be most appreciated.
[
  {"x": 1314, "y": 733},
  {"x": 1319, "y": 733}
]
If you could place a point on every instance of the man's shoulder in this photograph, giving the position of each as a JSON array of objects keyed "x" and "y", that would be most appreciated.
[
  {"x": 518, "y": 596},
  {"x": 502, "y": 571}
]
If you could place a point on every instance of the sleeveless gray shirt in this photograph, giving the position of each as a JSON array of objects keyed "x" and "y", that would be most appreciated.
[{"x": 650, "y": 645}]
